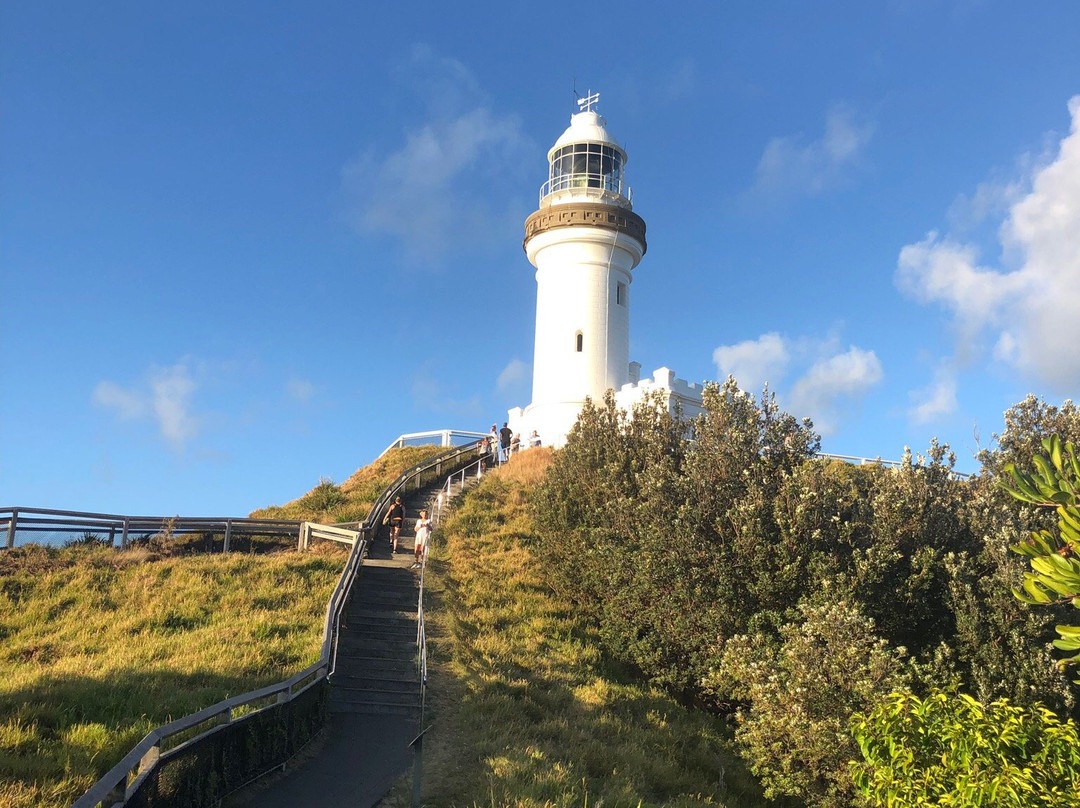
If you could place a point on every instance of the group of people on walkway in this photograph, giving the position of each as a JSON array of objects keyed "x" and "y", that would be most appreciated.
[
  {"x": 395, "y": 518},
  {"x": 503, "y": 443}
]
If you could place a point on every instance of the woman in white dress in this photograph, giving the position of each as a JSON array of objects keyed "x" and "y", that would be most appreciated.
[{"x": 423, "y": 533}]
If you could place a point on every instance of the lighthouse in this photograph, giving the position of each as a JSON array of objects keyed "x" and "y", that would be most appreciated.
[{"x": 585, "y": 241}]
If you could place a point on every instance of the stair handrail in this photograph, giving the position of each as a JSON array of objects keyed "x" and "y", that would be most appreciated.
[{"x": 442, "y": 503}]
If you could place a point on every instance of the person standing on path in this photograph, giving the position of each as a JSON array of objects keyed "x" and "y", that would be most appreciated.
[
  {"x": 395, "y": 516},
  {"x": 505, "y": 436},
  {"x": 423, "y": 533}
]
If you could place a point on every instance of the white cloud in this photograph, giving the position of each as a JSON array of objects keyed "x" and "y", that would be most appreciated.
[
  {"x": 788, "y": 165},
  {"x": 512, "y": 375},
  {"x": 936, "y": 400},
  {"x": 451, "y": 185},
  {"x": 833, "y": 380},
  {"x": 300, "y": 390},
  {"x": 753, "y": 362},
  {"x": 171, "y": 390},
  {"x": 128, "y": 405},
  {"x": 831, "y": 384},
  {"x": 165, "y": 397},
  {"x": 1029, "y": 311}
]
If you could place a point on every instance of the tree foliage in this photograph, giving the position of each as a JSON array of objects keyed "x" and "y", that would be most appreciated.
[
  {"x": 736, "y": 568},
  {"x": 949, "y": 749},
  {"x": 802, "y": 688},
  {"x": 1054, "y": 578}
]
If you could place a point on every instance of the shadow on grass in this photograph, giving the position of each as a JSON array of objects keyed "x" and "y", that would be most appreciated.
[
  {"x": 76, "y": 726},
  {"x": 526, "y": 731}
]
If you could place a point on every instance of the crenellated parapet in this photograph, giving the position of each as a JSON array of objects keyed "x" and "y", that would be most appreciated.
[{"x": 674, "y": 390}]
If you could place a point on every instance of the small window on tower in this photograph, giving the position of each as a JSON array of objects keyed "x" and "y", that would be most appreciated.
[
  {"x": 579, "y": 341},
  {"x": 620, "y": 294}
]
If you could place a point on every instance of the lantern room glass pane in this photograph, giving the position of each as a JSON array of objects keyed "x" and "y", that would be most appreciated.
[{"x": 586, "y": 165}]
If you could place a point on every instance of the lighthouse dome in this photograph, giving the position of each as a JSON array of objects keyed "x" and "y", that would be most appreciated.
[
  {"x": 585, "y": 127},
  {"x": 586, "y": 165}
]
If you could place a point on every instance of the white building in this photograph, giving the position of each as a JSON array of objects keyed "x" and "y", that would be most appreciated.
[{"x": 585, "y": 241}]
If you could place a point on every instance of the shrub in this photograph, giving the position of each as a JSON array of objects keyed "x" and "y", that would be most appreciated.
[
  {"x": 801, "y": 692},
  {"x": 950, "y": 749}
]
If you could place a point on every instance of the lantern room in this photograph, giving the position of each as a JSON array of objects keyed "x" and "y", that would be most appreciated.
[{"x": 586, "y": 164}]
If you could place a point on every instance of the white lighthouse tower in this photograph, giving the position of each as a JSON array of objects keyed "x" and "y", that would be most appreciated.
[{"x": 585, "y": 241}]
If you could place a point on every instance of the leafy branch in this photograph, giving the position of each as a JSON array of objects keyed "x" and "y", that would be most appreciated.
[{"x": 1054, "y": 578}]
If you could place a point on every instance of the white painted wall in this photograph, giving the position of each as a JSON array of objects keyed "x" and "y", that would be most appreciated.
[{"x": 578, "y": 270}]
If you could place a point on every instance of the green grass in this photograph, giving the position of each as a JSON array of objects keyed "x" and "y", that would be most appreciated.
[
  {"x": 98, "y": 646},
  {"x": 524, "y": 708},
  {"x": 329, "y": 503}
]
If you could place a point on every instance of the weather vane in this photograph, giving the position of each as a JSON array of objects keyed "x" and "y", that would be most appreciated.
[{"x": 586, "y": 104}]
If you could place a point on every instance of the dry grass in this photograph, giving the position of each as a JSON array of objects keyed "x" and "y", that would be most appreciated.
[
  {"x": 526, "y": 710},
  {"x": 329, "y": 503},
  {"x": 97, "y": 646}
]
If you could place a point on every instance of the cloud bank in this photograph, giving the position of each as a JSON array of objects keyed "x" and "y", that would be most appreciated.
[
  {"x": 1028, "y": 312},
  {"x": 832, "y": 381}
]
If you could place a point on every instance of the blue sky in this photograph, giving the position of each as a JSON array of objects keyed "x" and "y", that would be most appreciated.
[{"x": 244, "y": 246}]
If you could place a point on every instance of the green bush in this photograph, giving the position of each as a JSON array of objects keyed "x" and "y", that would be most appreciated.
[
  {"x": 950, "y": 749},
  {"x": 697, "y": 558},
  {"x": 799, "y": 693}
]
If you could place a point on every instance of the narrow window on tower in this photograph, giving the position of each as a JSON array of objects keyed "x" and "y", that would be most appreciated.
[
  {"x": 578, "y": 340},
  {"x": 620, "y": 294}
]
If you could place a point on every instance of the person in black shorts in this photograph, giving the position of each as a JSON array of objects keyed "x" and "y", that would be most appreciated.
[
  {"x": 395, "y": 517},
  {"x": 505, "y": 436}
]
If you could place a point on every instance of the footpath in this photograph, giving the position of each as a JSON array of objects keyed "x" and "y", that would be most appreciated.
[{"x": 374, "y": 692}]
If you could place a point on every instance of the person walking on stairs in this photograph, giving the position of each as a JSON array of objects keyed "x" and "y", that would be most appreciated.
[
  {"x": 423, "y": 533},
  {"x": 505, "y": 436},
  {"x": 395, "y": 517}
]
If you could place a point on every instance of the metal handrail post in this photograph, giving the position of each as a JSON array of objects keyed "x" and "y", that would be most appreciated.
[{"x": 11, "y": 528}]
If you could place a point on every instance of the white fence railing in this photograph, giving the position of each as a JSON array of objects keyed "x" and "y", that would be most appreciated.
[{"x": 439, "y": 437}]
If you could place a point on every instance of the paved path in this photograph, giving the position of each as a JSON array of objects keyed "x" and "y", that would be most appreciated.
[{"x": 374, "y": 694}]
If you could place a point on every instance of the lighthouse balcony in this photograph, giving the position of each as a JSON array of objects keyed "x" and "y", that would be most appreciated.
[{"x": 590, "y": 187}]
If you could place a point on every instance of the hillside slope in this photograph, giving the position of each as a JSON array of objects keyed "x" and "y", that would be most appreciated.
[
  {"x": 97, "y": 646},
  {"x": 524, "y": 708}
]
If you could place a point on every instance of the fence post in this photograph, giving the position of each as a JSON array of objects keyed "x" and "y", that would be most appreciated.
[
  {"x": 228, "y": 535},
  {"x": 118, "y": 793},
  {"x": 124, "y": 536},
  {"x": 150, "y": 758},
  {"x": 11, "y": 529}
]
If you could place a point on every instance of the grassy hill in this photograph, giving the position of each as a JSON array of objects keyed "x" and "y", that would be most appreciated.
[
  {"x": 525, "y": 709},
  {"x": 98, "y": 646},
  {"x": 350, "y": 502}
]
